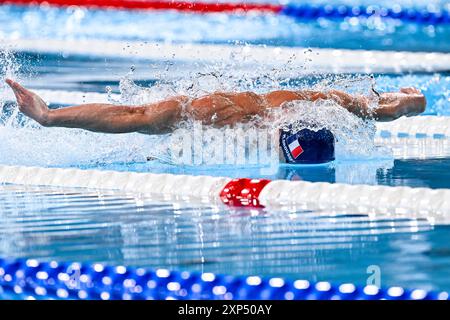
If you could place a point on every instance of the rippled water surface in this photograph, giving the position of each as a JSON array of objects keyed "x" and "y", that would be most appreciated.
[
  {"x": 130, "y": 229},
  {"x": 140, "y": 230},
  {"x": 117, "y": 228}
]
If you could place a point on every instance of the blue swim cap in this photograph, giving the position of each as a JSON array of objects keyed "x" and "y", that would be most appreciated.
[{"x": 307, "y": 146}]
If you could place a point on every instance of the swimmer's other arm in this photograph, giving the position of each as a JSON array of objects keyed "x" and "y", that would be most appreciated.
[
  {"x": 391, "y": 105},
  {"x": 218, "y": 109}
]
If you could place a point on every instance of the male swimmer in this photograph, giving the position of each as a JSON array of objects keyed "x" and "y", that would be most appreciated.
[{"x": 221, "y": 109}]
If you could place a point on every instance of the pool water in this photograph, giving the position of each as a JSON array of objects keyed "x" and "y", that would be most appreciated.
[
  {"x": 138, "y": 230},
  {"x": 78, "y": 23},
  {"x": 425, "y": 173},
  {"x": 94, "y": 74},
  {"x": 147, "y": 231}
]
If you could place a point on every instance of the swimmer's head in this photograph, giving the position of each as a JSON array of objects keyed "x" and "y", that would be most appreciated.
[{"x": 306, "y": 146}]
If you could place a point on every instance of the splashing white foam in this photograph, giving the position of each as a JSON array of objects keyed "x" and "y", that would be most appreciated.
[
  {"x": 69, "y": 147},
  {"x": 26, "y": 143},
  {"x": 9, "y": 68},
  {"x": 354, "y": 136}
]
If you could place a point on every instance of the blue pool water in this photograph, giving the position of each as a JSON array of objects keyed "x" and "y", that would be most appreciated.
[
  {"x": 94, "y": 74},
  {"x": 130, "y": 229},
  {"x": 140, "y": 230},
  {"x": 427, "y": 173}
]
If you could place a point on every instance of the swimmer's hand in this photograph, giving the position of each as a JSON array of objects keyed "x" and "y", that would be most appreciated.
[
  {"x": 30, "y": 103},
  {"x": 393, "y": 105}
]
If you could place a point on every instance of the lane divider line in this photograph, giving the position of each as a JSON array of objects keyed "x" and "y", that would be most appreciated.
[
  {"x": 436, "y": 127},
  {"x": 73, "y": 97},
  {"x": 156, "y": 5},
  {"x": 308, "y": 12},
  {"x": 55, "y": 280},
  {"x": 433, "y": 204},
  {"x": 318, "y": 59}
]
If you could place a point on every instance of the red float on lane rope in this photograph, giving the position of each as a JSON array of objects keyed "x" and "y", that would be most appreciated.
[
  {"x": 198, "y": 7},
  {"x": 243, "y": 192}
]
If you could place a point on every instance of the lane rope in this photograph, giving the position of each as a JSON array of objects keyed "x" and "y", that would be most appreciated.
[
  {"x": 436, "y": 127},
  {"x": 302, "y": 12},
  {"x": 306, "y": 59},
  {"x": 183, "y": 6},
  {"x": 432, "y": 204},
  {"x": 53, "y": 279},
  {"x": 65, "y": 280}
]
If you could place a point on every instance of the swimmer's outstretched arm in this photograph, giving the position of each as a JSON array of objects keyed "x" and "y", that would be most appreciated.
[
  {"x": 155, "y": 118},
  {"x": 218, "y": 109}
]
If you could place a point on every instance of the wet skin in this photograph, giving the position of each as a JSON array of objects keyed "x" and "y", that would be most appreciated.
[{"x": 218, "y": 109}]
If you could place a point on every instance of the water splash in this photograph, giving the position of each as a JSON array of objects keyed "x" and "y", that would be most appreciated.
[
  {"x": 70, "y": 147},
  {"x": 25, "y": 142},
  {"x": 355, "y": 136},
  {"x": 9, "y": 68}
]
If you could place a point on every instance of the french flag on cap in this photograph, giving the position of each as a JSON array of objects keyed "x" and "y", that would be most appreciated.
[{"x": 294, "y": 146}]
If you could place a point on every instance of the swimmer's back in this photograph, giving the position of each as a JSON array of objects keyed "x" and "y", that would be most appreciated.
[{"x": 223, "y": 108}]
